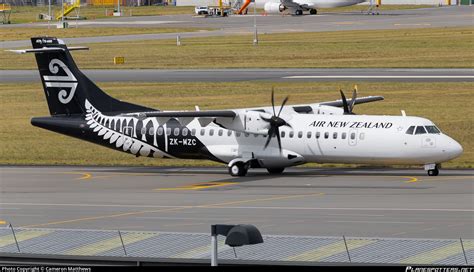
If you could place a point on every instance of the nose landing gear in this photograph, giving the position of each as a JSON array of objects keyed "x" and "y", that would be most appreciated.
[{"x": 433, "y": 169}]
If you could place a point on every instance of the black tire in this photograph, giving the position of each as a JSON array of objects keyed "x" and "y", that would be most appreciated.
[
  {"x": 433, "y": 172},
  {"x": 313, "y": 11},
  {"x": 238, "y": 169},
  {"x": 275, "y": 171},
  {"x": 298, "y": 12}
]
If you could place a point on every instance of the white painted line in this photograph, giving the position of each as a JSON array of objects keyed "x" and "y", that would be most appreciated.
[
  {"x": 210, "y": 206},
  {"x": 351, "y": 214},
  {"x": 375, "y": 222},
  {"x": 376, "y": 76}
]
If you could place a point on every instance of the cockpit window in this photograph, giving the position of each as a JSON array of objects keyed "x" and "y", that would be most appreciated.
[
  {"x": 420, "y": 130},
  {"x": 410, "y": 130},
  {"x": 432, "y": 130}
]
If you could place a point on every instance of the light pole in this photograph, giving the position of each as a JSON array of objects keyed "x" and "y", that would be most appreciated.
[
  {"x": 62, "y": 15},
  {"x": 255, "y": 35}
]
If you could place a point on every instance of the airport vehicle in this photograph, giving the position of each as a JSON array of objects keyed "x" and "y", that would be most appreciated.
[
  {"x": 265, "y": 137},
  {"x": 201, "y": 10},
  {"x": 297, "y": 7}
]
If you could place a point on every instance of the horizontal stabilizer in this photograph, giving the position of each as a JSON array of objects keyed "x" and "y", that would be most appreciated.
[{"x": 47, "y": 49}]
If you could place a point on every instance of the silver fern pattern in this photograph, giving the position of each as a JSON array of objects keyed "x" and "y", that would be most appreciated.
[{"x": 115, "y": 128}]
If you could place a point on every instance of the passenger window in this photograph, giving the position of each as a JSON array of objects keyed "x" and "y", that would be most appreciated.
[
  {"x": 193, "y": 132},
  {"x": 334, "y": 135},
  {"x": 291, "y": 134},
  {"x": 168, "y": 131},
  {"x": 211, "y": 132},
  {"x": 353, "y": 136},
  {"x": 202, "y": 132},
  {"x": 282, "y": 134},
  {"x": 246, "y": 134},
  {"x": 410, "y": 130},
  {"x": 220, "y": 132},
  {"x": 185, "y": 132},
  {"x": 151, "y": 131},
  {"x": 318, "y": 134},
  {"x": 143, "y": 131},
  {"x": 300, "y": 134},
  {"x": 326, "y": 135},
  {"x": 420, "y": 130},
  {"x": 362, "y": 136},
  {"x": 308, "y": 135},
  {"x": 160, "y": 131},
  {"x": 237, "y": 134},
  {"x": 432, "y": 130},
  {"x": 344, "y": 135},
  {"x": 176, "y": 132},
  {"x": 229, "y": 132}
]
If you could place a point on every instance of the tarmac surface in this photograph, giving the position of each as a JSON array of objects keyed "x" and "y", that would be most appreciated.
[
  {"x": 290, "y": 74},
  {"x": 403, "y": 203},
  {"x": 452, "y": 16}
]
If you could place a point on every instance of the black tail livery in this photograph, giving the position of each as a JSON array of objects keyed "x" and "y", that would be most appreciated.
[{"x": 65, "y": 86}]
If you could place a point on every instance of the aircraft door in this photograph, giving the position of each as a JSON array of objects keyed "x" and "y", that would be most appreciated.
[{"x": 352, "y": 137}]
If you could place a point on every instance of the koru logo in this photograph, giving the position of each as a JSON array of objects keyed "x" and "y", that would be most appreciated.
[{"x": 68, "y": 81}]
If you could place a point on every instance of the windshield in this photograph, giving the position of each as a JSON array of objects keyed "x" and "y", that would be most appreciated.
[{"x": 432, "y": 129}]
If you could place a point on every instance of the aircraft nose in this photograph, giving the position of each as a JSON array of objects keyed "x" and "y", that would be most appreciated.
[{"x": 453, "y": 149}]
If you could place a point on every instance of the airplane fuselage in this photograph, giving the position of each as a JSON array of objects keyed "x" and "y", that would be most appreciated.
[
  {"x": 365, "y": 139},
  {"x": 315, "y": 4}
]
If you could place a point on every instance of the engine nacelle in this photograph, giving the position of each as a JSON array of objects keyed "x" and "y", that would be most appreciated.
[
  {"x": 272, "y": 7},
  {"x": 247, "y": 122}
]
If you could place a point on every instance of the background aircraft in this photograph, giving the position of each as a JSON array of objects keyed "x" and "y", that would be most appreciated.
[
  {"x": 297, "y": 7},
  {"x": 266, "y": 137}
]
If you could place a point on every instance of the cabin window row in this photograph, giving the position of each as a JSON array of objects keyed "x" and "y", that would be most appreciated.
[{"x": 211, "y": 132}]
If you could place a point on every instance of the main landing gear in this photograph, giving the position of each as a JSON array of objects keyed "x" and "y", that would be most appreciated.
[
  {"x": 238, "y": 169},
  {"x": 433, "y": 169},
  {"x": 313, "y": 11}
]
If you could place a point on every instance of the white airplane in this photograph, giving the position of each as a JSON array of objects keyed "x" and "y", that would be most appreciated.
[
  {"x": 297, "y": 7},
  {"x": 265, "y": 137}
]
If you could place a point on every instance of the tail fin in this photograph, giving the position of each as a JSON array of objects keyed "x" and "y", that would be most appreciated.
[{"x": 66, "y": 88}]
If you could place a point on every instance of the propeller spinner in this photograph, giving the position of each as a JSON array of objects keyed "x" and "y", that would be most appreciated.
[{"x": 275, "y": 122}]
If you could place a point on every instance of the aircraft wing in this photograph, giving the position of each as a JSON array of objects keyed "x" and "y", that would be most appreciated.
[
  {"x": 361, "y": 100},
  {"x": 178, "y": 114},
  {"x": 289, "y": 4}
]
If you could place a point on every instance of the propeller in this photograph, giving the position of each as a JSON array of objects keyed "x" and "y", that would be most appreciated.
[
  {"x": 275, "y": 122},
  {"x": 348, "y": 107}
]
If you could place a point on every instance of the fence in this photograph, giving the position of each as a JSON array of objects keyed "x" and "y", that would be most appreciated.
[{"x": 197, "y": 246}]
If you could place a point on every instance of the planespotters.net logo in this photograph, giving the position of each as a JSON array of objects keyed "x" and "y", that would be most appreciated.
[{"x": 439, "y": 269}]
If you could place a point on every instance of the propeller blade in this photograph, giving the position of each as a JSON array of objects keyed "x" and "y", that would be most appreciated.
[
  {"x": 273, "y": 101},
  {"x": 278, "y": 138},
  {"x": 354, "y": 98},
  {"x": 344, "y": 102},
  {"x": 269, "y": 138},
  {"x": 283, "y": 104}
]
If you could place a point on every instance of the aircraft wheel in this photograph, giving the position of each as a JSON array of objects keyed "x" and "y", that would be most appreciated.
[
  {"x": 238, "y": 169},
  {"x": 275, "y": 170},
  {"x": 298, "y": 12},
  {"x": 313, "y": 11},
  {"x": 433, "y": 172}
]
